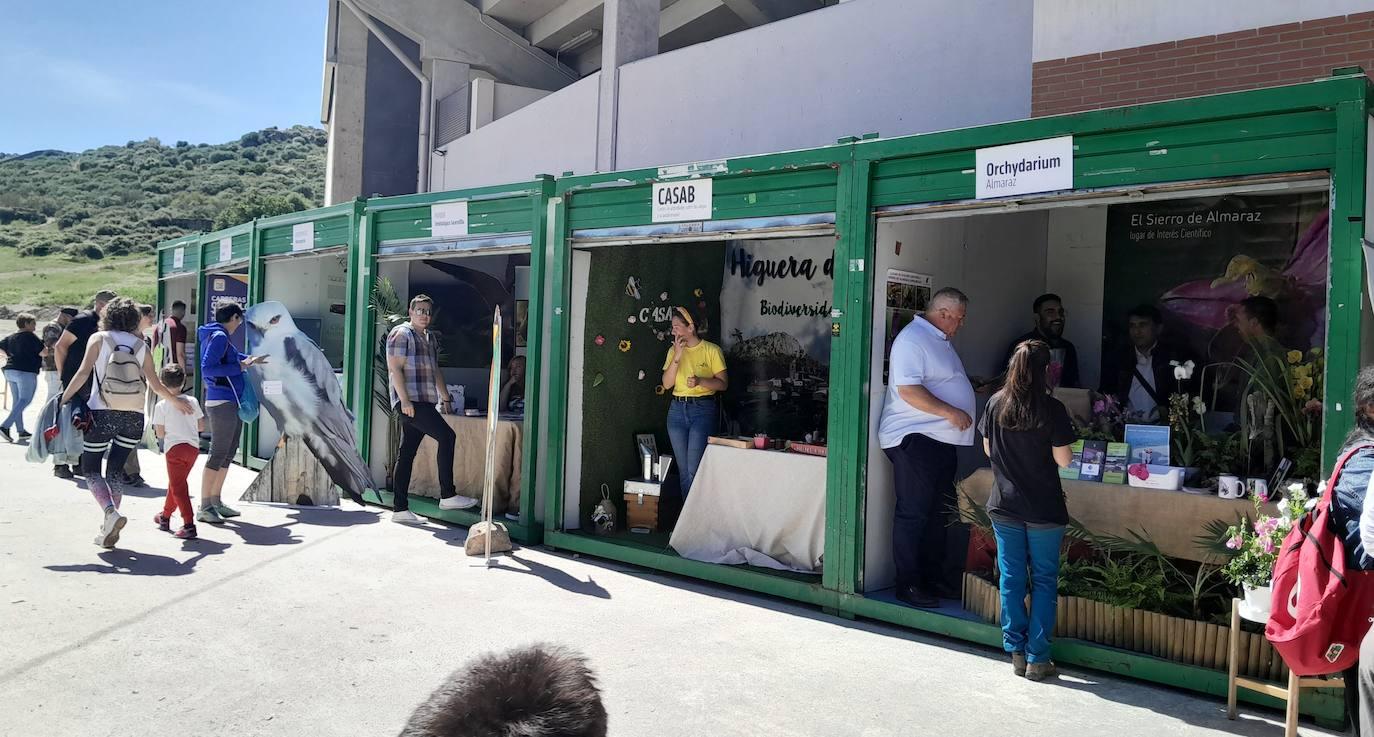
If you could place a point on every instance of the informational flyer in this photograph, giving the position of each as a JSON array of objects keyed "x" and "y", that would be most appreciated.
[{"x": 908, "y": 293}]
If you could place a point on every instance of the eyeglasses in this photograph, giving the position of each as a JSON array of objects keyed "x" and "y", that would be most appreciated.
[{"x": 423, "y": 312}]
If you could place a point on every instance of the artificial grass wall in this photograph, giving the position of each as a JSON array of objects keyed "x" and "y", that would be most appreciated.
[{"x": 617, "y": 403}]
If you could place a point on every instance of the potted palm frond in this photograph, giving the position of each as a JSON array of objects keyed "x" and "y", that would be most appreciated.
[{"x": 388, "y": 312}]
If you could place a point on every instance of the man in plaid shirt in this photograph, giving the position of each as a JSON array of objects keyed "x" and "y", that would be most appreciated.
[{"x": 417, "y": 384}]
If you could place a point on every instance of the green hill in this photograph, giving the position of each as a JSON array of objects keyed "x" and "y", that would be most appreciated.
[{"x": 72, "y": 223}]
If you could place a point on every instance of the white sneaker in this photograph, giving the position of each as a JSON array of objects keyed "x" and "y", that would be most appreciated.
[
  {"x": 406, "y": 518},
  {"x": 109, "y": 529},
  {"x": 458, "y": 501}
]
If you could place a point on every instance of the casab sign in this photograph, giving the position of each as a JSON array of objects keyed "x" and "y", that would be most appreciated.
[
  {"x": 675, "y": 202},
  {"x": 1024, "y": 168}
]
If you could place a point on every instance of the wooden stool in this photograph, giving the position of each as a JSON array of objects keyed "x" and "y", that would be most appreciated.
[{"x": 1290, "y": 695}]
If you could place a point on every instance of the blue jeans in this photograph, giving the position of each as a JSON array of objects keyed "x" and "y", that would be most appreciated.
[
  {"x": 22, "y": 385},
  {"x": 689, "y": 424},
  {"x": 1020, "y": 548}
]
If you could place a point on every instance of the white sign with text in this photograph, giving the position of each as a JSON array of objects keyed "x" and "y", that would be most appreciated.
[
  {"x": 303, "y": 237},
  {"x": 179, "y": 258},
  {"x": 676, "y": 202},
  {"x": 226, "y": 249},
  {"x": 449, "y": 220},
  {"x": 1024, "y": 168}
]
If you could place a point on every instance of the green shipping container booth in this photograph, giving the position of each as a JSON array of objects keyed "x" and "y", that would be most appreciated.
[
  {"x": 178, "y": 279},
  {"x": 305, "y": 261},
  {"x": 470, "y": 251},
  {"x": 1156, "y": 196}
]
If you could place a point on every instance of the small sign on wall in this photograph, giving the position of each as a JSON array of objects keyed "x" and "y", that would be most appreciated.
[
  {"x": 226, "y": 249},
  {"x": 676, "y": 202},
  {"x": 449, "y": 220},
  {"x": 1024, "y": 168},
  {"x": 179, "y": 258},
  {"x": 303, "y": 237}
]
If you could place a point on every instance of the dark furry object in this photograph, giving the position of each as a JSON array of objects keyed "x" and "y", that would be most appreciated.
[{"x": 535, "y": 691}]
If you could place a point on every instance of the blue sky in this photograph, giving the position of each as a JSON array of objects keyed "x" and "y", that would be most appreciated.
[{"x": 78, "y": 74}]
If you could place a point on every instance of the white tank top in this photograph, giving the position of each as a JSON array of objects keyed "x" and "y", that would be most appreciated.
[{"x": 127, "y": 340}]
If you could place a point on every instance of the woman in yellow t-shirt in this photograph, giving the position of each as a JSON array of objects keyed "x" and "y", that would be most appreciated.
[{"x": 695, "y": 370}]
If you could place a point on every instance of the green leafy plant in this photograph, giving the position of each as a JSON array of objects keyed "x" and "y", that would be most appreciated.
[{"x": 387, "y": 312}]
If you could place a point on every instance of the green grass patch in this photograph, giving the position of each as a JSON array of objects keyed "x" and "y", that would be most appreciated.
[{"x": 58, "y": 280}]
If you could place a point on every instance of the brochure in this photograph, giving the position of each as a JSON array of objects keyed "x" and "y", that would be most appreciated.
[
  {"x": 1094, "y": 455},
  {"x": 1114, "y": 468},
  {"x": 1075, "y": 465}
]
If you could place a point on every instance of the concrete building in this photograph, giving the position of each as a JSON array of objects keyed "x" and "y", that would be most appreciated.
[{"x": 444, "y": 94}]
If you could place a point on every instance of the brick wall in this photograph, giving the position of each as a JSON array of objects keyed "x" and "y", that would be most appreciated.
[{"x": 1259, "y": 57}]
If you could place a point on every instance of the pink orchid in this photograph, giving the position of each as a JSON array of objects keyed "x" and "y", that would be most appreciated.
[
  {"x": 1235, "y": 542},
  {"x": 1140, "y": 471},
  {"x": 1267, "y": 545},
  {"x": 1099, "y": 406}
]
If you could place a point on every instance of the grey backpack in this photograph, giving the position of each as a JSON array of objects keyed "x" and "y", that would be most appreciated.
[{"x": 122, "y": 385}]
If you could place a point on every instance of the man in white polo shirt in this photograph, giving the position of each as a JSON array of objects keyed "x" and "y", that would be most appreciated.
[{"x": 928, "y": 411}]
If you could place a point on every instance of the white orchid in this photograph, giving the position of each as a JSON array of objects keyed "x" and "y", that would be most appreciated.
[
  {"x": 1199, "y": 406},
  {"x": 1182, "y": 371}
]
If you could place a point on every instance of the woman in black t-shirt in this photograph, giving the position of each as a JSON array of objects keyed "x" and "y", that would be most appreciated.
[
  {"x": 24, "y": 353},
  {"x": 1027, "y": 434}
]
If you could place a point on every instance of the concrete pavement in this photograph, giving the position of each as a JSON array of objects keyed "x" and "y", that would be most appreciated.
[{"x": 327, "y": 622}]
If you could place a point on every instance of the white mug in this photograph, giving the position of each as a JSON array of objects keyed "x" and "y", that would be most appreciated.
[
  {"x": 1257, "y": 488},
  {"x": 1230, "y": 487}
]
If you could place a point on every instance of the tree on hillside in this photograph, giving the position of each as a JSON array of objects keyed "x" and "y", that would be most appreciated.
[{"x": 259, "y": 205}]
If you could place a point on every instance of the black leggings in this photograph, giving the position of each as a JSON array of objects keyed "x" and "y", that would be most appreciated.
[
  {"x": 427, "y": 421},
  {"x": 118, "y": 433}
]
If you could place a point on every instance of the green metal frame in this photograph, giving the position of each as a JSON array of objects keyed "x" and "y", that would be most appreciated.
[
  {"x": 1318, "y": 127},
  {"x": 492, "y": 211},
  {"x": 335, "y": 230},
  {"x": 792, "y": 183}
]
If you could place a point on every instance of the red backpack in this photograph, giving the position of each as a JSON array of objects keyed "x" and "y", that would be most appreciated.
[{"x": 1320, "y": 609}]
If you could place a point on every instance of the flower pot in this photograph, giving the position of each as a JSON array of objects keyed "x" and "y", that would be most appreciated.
[{"x": 1255, "y": 607}]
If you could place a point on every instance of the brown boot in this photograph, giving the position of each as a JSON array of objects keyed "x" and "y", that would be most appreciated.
[
  {"x": 1041, "y": 671},
  {"x": 1018, "y": 663}
]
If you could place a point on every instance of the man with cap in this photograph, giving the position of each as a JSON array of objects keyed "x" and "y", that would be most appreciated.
[
  {"x": 51, "y": 332},
  {"x": 70, "y": 350}
]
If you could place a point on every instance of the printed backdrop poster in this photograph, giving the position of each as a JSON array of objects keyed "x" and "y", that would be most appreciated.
[
  {"x": 775, "y": 304},
  {"x": 1195, "y": 258},
  {"x": 225, "y": 288}
]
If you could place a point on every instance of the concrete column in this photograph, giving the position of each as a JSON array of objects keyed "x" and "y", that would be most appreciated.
[
  {"x": 344, "y": 160},
  {"x": 629, "y": 33},
  {"x": 483, "y": 102}
]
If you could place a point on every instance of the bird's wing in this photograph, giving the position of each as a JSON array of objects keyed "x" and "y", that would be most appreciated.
[
  {"x": 303, "y": 355},
  {"x": 331, "y": 437}
]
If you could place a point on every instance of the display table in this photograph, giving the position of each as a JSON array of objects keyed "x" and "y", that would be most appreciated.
[
  {"x": 469, "y": 460},
  {"x": 758, "y": 507},
  {"x": 1172, "y": 520}
]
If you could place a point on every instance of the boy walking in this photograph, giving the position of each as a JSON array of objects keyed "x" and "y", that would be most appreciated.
[{"x": 180, "y": 437}]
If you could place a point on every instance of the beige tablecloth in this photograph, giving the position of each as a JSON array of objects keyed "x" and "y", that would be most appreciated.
[
  {"x": 469, "y": 460},
  {"x": 1171, "y": 519},
  {"x": 763, "y": 508}
]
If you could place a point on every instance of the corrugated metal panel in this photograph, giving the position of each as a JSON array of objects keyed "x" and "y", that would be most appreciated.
[
  {"x": 451, "y": 116},
  {"x": 1296, "y": 141},
  {"x": 240, "y": 246},
  {"x": 502, "y": 215},
  {"x": 734, "y": 197},
  {"x": 329, "y": 232}
]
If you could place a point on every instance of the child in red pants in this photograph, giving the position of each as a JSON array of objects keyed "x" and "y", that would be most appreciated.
[{"x": 180, "y": 436}]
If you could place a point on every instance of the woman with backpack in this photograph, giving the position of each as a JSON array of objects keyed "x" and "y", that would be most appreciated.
[
  {"x": 1028, "y": 436},
  {"x": 1352, "y": 509},
  {"x": 123, "y": 372}
]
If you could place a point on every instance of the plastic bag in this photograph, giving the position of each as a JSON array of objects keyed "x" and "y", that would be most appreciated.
[{"x": 248, "y": 403}]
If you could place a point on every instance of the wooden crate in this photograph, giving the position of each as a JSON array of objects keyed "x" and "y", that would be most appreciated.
[{"x": 641, "y": 510}]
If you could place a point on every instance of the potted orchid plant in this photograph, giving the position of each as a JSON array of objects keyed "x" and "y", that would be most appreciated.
[
  {"x": 1256, "y": 545},
  {"x": 1185, "y": 422}
]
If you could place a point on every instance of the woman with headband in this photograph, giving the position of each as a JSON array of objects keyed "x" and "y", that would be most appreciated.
[{"x": 695, "y": 371}]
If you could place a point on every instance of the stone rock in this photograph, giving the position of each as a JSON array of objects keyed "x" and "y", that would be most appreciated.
[{"x": 477, "y": 539}]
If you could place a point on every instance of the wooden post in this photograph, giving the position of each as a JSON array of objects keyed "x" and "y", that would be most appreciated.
[
  {"x": 1290, "y": 721},
  {"x": 1232, "y": 660}
]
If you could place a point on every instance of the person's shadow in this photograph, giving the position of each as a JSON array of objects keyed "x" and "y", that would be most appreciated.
[{"x": 133, "y": 563}]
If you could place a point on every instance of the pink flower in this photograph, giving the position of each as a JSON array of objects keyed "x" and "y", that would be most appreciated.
[
  {"x": 1235, "y": 542},
  {"x": 1099, "y": 406},
  {"x": 1140, "y": 471},
  {"x": 1267, "y": 545}
]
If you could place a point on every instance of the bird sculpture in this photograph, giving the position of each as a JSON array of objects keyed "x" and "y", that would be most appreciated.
[{"x": 309, "y": 406}]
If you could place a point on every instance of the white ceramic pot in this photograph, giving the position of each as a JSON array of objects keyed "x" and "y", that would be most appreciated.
[{"x": 1255, "y": 607}]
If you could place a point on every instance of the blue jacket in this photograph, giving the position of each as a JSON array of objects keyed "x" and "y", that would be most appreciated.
[
  {"x": 1347, "y": 504},
  {"x": 220, "y": 364}
]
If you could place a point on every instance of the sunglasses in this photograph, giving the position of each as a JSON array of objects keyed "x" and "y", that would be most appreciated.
[{"x": 423, "y": 312}]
